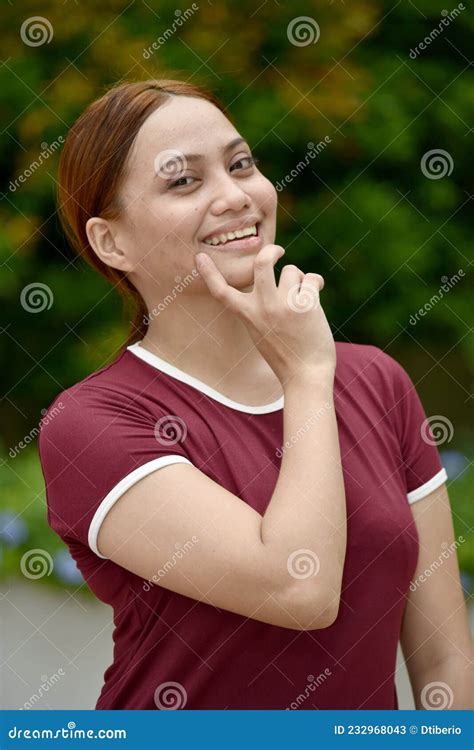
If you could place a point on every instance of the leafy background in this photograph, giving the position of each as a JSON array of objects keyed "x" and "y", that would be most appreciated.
[{"x": 362, "y": 213}]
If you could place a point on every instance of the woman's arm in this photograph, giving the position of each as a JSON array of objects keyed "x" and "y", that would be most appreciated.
[
  {"x": 284, "y": 568},
  {"x": 435, "y": 636}
]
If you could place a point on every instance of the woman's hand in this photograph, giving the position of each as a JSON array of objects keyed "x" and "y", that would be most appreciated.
[{"x": 286, "y": 323}]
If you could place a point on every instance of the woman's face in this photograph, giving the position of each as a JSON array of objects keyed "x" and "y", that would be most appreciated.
[{"x": 172, "y": 202}]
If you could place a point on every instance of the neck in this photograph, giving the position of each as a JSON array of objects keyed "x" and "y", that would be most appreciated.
[{"x": 205, "y": 339}]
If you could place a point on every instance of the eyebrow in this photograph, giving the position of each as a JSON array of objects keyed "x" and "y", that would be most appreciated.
[{"x": 198, "y": 157}]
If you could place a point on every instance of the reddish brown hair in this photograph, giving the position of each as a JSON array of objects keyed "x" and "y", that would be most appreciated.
[{"x": 92, "y": 168}]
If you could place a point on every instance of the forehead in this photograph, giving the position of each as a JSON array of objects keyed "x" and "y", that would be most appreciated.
[{"x": 185, "y": 124}]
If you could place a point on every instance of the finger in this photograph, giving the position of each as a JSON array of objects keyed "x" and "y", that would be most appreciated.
[
  {"x": 304, "y": 296},
  {"x": 217, "y": 285},
  {"x": 264, "y": 283},
  {"x": 291, "y": 276},
  {"x": 314, "y": 279}
]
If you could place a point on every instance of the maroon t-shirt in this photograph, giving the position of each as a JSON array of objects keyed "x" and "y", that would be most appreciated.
[{"x": 140, "y": 414}]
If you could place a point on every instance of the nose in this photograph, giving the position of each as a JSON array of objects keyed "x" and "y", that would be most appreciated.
[{"x": 229, "y": 196}]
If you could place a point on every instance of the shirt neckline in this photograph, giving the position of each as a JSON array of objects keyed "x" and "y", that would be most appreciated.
[{"x": 164, "y": 366}]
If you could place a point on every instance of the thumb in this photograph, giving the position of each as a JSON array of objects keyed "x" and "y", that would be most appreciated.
[{"x": 216, "y": 283}]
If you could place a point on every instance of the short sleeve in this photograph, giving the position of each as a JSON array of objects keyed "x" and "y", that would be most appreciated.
[
  {"x": 421, "y": 460},
  {"x": 93, "y": 447}
]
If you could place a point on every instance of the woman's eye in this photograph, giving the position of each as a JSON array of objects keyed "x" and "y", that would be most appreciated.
[
  {"x": 181, "y": 182},
  {"x": 176, "y": 183},
  {"x": 251, "y": 159}
]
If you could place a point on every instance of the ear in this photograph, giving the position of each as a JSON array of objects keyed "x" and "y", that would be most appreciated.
[{"x": 103, "y": 242}]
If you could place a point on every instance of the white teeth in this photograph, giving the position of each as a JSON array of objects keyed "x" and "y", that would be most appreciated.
[{"x": 221, "y": 239}]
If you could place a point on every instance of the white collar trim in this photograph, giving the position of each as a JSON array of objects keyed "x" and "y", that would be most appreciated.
[{"x": 184, "y": 377}]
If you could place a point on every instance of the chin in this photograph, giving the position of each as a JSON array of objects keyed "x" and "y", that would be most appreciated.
[{"x": 239, "y": 273}]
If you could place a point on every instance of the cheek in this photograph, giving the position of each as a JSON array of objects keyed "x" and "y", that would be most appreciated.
[
  {"x": 268, "y": 197},
  {"x": 162, "y": 227}
]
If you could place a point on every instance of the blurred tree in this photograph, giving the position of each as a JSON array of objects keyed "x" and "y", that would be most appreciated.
[{"x": 363, "y": 211}]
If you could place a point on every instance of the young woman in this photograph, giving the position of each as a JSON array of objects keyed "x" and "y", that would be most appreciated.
[{"x": 252, "y": 499}]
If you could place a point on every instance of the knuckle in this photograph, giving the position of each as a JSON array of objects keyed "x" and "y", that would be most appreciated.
[
  {"x": 261, "y": 262},
  {"x": 315, "y": 277}
]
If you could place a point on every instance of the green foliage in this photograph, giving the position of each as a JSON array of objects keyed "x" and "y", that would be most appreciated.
[{"x": 362, "y": 212}]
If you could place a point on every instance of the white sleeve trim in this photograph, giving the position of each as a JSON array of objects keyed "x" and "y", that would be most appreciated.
[
  {"x": 111, "y": 498},
  {"x": 427, "y": 487}
]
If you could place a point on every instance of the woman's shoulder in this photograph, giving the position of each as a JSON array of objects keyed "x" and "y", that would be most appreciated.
[
  {"x": 99, "y": 399},
  {"x": 79, "y": 394},
  {"x": 365, "y": 359}
]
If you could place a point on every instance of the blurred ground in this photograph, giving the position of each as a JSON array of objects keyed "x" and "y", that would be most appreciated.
[{"x": 66, "y": 643}]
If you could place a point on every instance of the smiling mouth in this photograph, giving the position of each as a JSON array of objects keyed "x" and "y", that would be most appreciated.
[{"x": 234, "y": 240}]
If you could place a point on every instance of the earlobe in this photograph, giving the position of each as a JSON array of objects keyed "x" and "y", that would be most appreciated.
[{"x": 102, "y": 241}]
